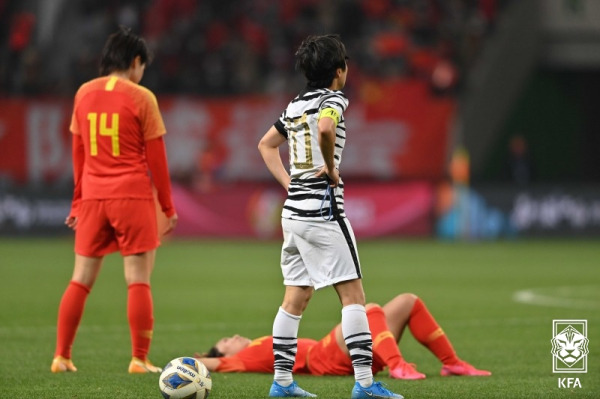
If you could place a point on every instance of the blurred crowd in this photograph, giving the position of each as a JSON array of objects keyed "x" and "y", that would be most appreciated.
[{"x": 228, "y": 47}]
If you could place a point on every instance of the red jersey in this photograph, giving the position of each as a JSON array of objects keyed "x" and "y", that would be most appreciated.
[
  {"x": 115, "y": 117},
  {"x": 258, "y": 357},
  {"x": 323, "y": 357}
]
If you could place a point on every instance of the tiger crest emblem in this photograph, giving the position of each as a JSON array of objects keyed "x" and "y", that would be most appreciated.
[{"x": 569, "y": 346}]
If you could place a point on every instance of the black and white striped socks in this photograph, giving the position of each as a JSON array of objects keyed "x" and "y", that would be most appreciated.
[
  {"x": 355, "y": 327},
  {"x": 285, "y": 345}
]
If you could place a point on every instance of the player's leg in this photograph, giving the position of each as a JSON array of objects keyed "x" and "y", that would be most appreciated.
[
  {"x": 285, "y": 332},
  {"x": 296, "y": 299},
  {"x": 71, "y": 309},
  {"x": 140, "y": 312},
  {"x": 298, "y": 292},
  {"x": 385, "y": 347},
  {"x": 397, "y": 313},
  {"x": 134, "y": 221},
  {"x": 358, "y": 340},
  {"x": 335, "y": 248},
  {"x": 355, "y": 325},
  {"x": 428, "y": 332},
  {"x": 349, "y": 288},
  {"x": 285, "y": 341},
  {"x": 93, "y": 239},
  {"x": 355, "y": 328}
]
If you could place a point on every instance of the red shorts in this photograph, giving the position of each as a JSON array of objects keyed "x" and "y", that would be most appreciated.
[
  {"x": 125, "y": 225},
  {"x": 327, "y": 358}
]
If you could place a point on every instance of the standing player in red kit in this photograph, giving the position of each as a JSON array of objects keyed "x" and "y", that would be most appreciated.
[{"x": 118, "y": 154}]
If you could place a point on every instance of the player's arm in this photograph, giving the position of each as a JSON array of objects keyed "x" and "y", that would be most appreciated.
[
  {"x": 326, "y": 135},
  {"x": 211, "y": 363},
  {"x": 269, "y": 149},
  {"x": 156, "y": 156},
  {"x": 78, "y": 153}
]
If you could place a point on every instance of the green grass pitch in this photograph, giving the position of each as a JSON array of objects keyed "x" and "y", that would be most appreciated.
[{"x": 207, "y": 289}]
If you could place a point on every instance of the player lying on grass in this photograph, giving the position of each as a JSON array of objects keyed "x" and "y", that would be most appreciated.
[{"x": 329, "y": 356}]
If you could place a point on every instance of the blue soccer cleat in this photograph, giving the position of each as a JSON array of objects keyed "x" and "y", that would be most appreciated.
[
  {"x": 291, "y": 391},
  {"x": 375, "y": 391}
]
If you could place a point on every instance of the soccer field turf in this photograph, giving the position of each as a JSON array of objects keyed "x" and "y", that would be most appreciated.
[{"x": 204, "y": 290}]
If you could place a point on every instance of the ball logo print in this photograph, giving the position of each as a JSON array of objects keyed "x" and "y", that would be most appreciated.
[
  {"x": 569, "y": 346},
  {"x": 185, "y": 378}
]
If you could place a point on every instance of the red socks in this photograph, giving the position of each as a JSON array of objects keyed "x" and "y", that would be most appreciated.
[
  {"x": 70, "y": 311},
  {"x": 141, "y": 320},
  {"x": 385, "y": 346},
  {"x": 139, "y": 313},
  {"x": 426, "y": 330}
]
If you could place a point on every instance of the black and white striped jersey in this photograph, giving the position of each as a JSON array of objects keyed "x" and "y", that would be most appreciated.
[{"x": 308, "y": 197}]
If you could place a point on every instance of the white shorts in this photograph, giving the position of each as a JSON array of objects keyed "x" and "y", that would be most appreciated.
[{"x": 318, "y": 254}]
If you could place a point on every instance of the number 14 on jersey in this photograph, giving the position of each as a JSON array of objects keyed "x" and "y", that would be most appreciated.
[{"x": 102, "y": 127}]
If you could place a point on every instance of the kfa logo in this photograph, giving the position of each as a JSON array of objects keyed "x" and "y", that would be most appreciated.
[
  {"x": 569, "y": 346},
  {"x": 569, "y": 383}
]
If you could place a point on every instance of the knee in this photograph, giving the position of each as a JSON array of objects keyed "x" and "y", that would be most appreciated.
[
  {"x": 296, "y": 300},
  {"x": 408, "y": 298}
]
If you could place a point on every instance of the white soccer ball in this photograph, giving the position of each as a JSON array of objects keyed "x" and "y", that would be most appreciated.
[{"x": 183, "y": 378}]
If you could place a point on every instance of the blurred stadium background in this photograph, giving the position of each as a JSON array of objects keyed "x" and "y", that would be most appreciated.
[{"x": 468, "y": 119}]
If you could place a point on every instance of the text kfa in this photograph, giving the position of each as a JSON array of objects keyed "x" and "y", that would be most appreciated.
[{"x": 569, "y": 383}]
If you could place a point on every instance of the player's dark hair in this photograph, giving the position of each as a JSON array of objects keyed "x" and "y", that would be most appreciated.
[
  {"x": 213, "y": 352},
  {"x": 120, "y": 50},
  {"x": 318, "y": 57}
]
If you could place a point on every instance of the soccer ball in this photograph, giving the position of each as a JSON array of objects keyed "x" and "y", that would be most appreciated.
[{"x": 185, "y": 378}]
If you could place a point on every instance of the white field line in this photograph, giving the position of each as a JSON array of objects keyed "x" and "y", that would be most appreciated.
[{"x": 562, "y": 297}]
